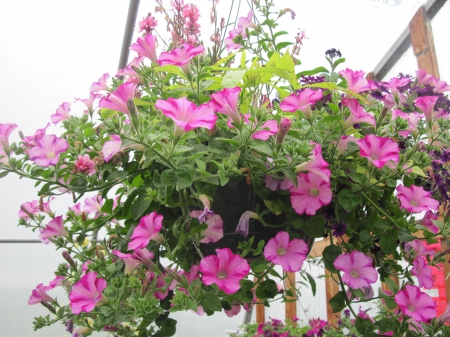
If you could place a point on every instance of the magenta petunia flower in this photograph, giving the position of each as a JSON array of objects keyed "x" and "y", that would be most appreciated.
[
  {"x": 100, "y": 85},
  {"x": 148, "y": 229},
  {"x": 316, "y": 326},
  {"x": 316, "y": 164},
  {"x": 84, "y": 164},
  {"x": 356, "y": 80},
  {"x": 289, "y": 254},
  {"x": 130, "y": 261},
  {"x": 244, "y": 220},
  {"x": 226, "y": 102},
  {"x": 129, "y": 70},
  {"x": 415, "y": 199},
  {"x": 187, "y": 115},
  {"x": 423, "y": 77},
  {"x": 214, "y": 232},
  {"x": 416, "y": 248},
  {"x": 343, "y": 144},
  {"x": 146, "y": 46},
  {"x": 89, "y": 102},
  {"x": 54, "y": 228},
  {"x": 441, "y": 86},
  {"x": 379, "y": 150},
  {"x": 266, "y": 130},
  {"x": 117, "y": 100},
  {"x": 427, "y": 222},
  {"x": 62, "y": 113},
  {"x": 180, "y": 56},
  {"x": 357, "y": 268},
  {"x": 357, "y": 114},
  {"x": 28, "y": 208},
  {"x": 93, "y": 204},
  {"x": 111, "y": 147},
  {"x": 312, "y": 193},
  {"x": 225, "y": 270},
  {"x": 86, "y": 293},
  {"x": 5, "y": 131},
  {"x": 423, "y": 272},
  {"x": 158, "y": 284},
  {"x": 426, "y": 105},
  {"x": 47, "y": 150},
  {"x": 58, "y": 281},
  {"x": 301, "y": 101},
  {"x": 416, "y": 304},
  {"x": 232, "y": 34},
  {"x": 39, "y": 294}
]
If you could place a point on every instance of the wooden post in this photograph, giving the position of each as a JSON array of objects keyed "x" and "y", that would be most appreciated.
[
  {"x": 290, "y": 307},
  {"x": 423, "y": 43},
  {"x": 444, "y": 247},
  {"x": 260, "y": 313},
  {"x": 332, "y": 288}
]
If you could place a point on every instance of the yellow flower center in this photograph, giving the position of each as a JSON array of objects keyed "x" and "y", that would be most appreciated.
[{"x": 222, "y": 274}]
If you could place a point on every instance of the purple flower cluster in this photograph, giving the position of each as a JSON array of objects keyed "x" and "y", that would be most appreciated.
[{"x": 439, "y": 181}]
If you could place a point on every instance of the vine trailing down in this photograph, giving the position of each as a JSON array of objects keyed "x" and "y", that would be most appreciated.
[{"x": 326, "y": 152}]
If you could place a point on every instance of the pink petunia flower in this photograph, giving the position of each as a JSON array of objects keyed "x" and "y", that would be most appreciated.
[
  {"x": 54, "y": 228},
  {"x": 316, "y": 164},
  {"x": 235, "y": 310},
  {"x": 3, "y": 158},
  {"x": 232, "y": 34},
  {"x": 416, "y": 304},
  {"x": 117, "y": 100},
  {"x": 76, "y": 209},
  {"x": 445, "y": 316},
  {"x": 39, "y": 294},
  {"x": 47, "y": 150},
  {"x": 111, "y": 147},
  {"x": 266, "y": 130},
  {"x": 416, "y": 248},
  {"x": 276, "y": 184},
  {"x": 312, "y": 193},
  {"x": 180, "y": 56},
  {"x": 356, "y": 81},
  {"x": 357, "y": 268},
  {"x": 317, "y": 326},
  {"x": 225, "y": 270},
  {"x": 148, "y": 229},
  {"x": 357, "y": 114},
  {"x": 130, "y": 261},
  {"x": 28, "y": 208},
  {"x": 214, "y": 232},
  {"x": 89, "y": 102},
  {"x": 423, "y": 77},
  {"x": 289, "y": 254},
  {"x": 146, "y": 46},
  {"x": 130, "y": 71},
  {"x": 187, "y": 115},
  {"x": 379, "y": 150},
  {"x": 31, "y": 141},
  {"x": 58, "y": 281},
  {"x": 343, "y": 144},
  {"x": 244, "y": 220},
  {"x": 301, "y": 101},
  {"x": 87, "y": 293},
  {"x": 226, "y": 102},
  {"x": 85, "y": 165},
  {"x": 93, "y": 204},
  {"x": 100, "y": 85},
  {"x": 423, "y": 273},
  {"x": 158, "y": 284},
  {"x": 5, "y": 132},
  {"x": 426, "y": 105},
  {"x": 415, "y": 199},
  {"x": 441, "y": 86},
  {"x": 427, "y": 221},
  {"x": 62, "y": 113}
]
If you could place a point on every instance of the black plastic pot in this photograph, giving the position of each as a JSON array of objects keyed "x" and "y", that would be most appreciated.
[{"x": 230, "y": 202}]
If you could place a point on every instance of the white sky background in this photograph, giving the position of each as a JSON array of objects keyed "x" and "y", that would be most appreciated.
[{"x": 52, "y": 50}]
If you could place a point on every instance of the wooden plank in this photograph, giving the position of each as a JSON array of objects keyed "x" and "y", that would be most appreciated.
[
  {"x": 332, "y": 288},
  {"x": 423, "y": 43},
  {"x": 260, "y": 313},
  {"x": 290, "y": 307},
  {"x": 444, "y": 247}
]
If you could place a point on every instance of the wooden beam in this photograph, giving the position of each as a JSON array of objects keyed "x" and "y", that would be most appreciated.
[
  {"x": 331, "y": 288},
  {"x": 444, "y": 247},
  {"x": 423, "y": 43},
  {"x": 290, "y": 307},
  {"x": 260, "y": 313}
]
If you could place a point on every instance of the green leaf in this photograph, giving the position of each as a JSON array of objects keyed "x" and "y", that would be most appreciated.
[
  {"x": 365, "y": 235},
  {"x": 314, "y": 226},
  {"x": 267, "y": 289},
  {"x": 349, "y": 199},
  {"x": 312, "y": 282},
  {"x": 388, "y": 243},
  {"x": 168, "y": 177},
  {"x": 185, "y": 176},
  {"x": 392, "y": 285},
  {"x": 282, "y": 45},
  {"x": 233, "y": 78},
  {"x": 140, "y": 102},
  {"x": 261, "y": 147},
  {"x": 107, "y": 207},
  {"x": 78, "y": 184},
  {"x": 364, "y": 326},
  {"x": 330, "y": 254},
  {"x": 169, "y": 327},
  {"x": 259, "y": 265},
  {"x": 211, "y": 302},
  {"x": 313, "y": 71},
  {"x": 337, "y": 303},
  {"x": 4, "y": 174},
  {"x": 405, "y": 236},
  {"x": 139, "y": 207},
  {"x": 171, "y": 69}
]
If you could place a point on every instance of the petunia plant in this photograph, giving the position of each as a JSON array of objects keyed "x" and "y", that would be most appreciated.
[{"x": 201, "y": 166}]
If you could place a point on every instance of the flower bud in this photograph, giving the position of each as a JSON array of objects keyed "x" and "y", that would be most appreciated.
[
  {"x": 68, "y": 258},
  {"x": 286, "y": 10},
  {"x": 69, "y": 325},
  {"x": 283, "y": 128},
  {"x": 48, "y": 306}
]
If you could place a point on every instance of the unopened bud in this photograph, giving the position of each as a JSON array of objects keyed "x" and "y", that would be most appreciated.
[
  {"x": 69, "y": 325},
  {"x": 68, "y": 258},
  {"x": 48, "y": 306},
  {"x": 286, "y": 10},
  {"x": 146, "y": 284},
  {"x": 283, "y": 128}
]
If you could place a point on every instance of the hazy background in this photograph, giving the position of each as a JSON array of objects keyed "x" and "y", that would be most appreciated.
[{"x": 52, "y": 50}]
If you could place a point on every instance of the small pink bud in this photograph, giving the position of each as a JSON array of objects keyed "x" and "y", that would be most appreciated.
[{"x": 285, "y": 125}]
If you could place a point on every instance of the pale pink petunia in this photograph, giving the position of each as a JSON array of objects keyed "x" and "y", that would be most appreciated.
[
  {"x": 148, "y": 229},
  {"x": 441, "y": 86},
  {"x": 415, "y": 199},
  {"x": 379, "y": 150},
  {"x": 144, "y": 256},
  {"x": 356, "y": 80},
  {"x": 28, "y": 208},
  {"x": 117, "y": 100},
  {"x": 343, "y": 144},
  {"x": 187, "y": 115},
  {"x": 47, "y": 150},
  {"x": 3, "y": 158},
  {"x": 93, "y": 204},
  {"x": 416, "y": 304},
  {"x": 129, "y": 70},
  {"x": 147, "y": 23},
  {"x": 416, "y": 248},
  {"x": 357, "y": 268},
  {"x": 130, "y": 261},
  {"x": 159, "y": 285},
  {"x": 225, "y": 270},
  {"x": 84, "y": 164},
  {"x": 180, "y": 56},
  {"x": 357, "y": 114},
  {"x": 301, "y": 101},
  {"x": 235, "y": 310},
  {"x": 245, "y": 22},
  {"x": 277, "y": 184},
  {"x": 86, "y": 293},
  {"x": 45, "y": 207},
  {"x": 232, "y": 34},
  {"x": 226, "y": 102},
  {"x": 427, "y": 221},
  {"x": 214, "y": 232},
  {"x": 76, "y": 209},
  {"x": 316, "y": 164},
  {"x": 266, "y": 130},
  {"x": 423, "y": 272},
  {"x": 312, "y": 193},
  {"x": 53, "y": 229},
  {"x": 423, "y": 77},
  {"x": 100, "y": 85},
  {"x": 243, "y": 224},
  {"x": 289, "y": 254},
  {"x": 5, "y": 132},
  {"x": 62, "y": 113},
  {"x": 39, "y": 294},
  {"x": 146, "y": 46},
  {"x": 31, "y": 141},
  {"x": 426, "y": 105},
  {"x": 89, "y": 102},
  {"x": 111, "y": 147},
  {"x": 58, "y": 281}
]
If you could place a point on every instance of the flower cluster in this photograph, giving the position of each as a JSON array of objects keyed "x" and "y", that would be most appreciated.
[{"x": 196, "y": 174}]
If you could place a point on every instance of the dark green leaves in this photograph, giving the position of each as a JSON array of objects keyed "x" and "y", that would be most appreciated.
[
  {"x": 349, "y": 200},
  {"x": 267, "y": 289}
]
